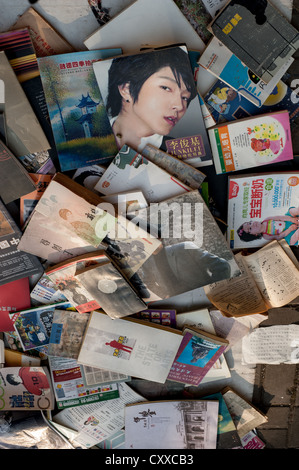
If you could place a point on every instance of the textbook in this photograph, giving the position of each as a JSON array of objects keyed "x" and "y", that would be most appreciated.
[
  {"x": 262, "y": 207},
  {"x": 196, "y": 355},
  {"x": 258, "y": 34},
  {"x": 251, "y": 142},
  {"x": 167, "y": 113},
  {"x": 81, "y": 129},
  {"x": 269, "y": 279},
  {"x": 172, "y": 424},
  {"x": 129, "y": 346}
]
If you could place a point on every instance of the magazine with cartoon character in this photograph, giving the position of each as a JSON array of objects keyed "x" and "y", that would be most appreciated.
[
  {"x": 251, "y": 142},
  {"x": 26, "y": 388}
]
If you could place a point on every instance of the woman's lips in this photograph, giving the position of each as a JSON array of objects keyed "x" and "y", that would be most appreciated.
[{"x": 172, "y": 120}]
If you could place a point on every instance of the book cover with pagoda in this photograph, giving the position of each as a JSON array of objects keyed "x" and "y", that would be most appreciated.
[{"x": 81, "y": 129}]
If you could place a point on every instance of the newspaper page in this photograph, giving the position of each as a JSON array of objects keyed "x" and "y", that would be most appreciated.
[
  {"x": 278, "y": 344},
  {"x": 238, "y": 295},
  {"x": 95, "y": 422},
  {"x": 276, "y": 276}
]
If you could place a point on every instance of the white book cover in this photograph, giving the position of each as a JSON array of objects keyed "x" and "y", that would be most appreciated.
[
  {"x": 131, "y": 347},
  {"x": 172, "y": 424},
  {"x": 222, "y": 63},
  {"x": 131, "y": 171},
  {"x": 145, "y": 22}
]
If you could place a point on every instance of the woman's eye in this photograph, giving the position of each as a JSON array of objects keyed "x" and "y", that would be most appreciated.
[{"x": 164, "y": 87}]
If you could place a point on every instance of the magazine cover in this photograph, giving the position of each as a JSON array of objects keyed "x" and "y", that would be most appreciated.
[
  {"x": 159, "y": 106},
  {"x": 251, "y": 142},
  {"x": 80, "y": 125},
  {"x": 263, "y": 207},
  {"x": 226, "y": 104},
  {"x": 26, "y": 388}
]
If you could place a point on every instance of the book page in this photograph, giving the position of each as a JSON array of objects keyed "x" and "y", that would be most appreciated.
[
  {"x": 275, "y": 274},
  {"x": 276, "y": 344},
  {"x": 238, "y": 295}
]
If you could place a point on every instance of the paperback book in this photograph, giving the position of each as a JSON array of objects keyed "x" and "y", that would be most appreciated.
[
  {"x": 80, "y": 125},
  {"x": 171, "y": 119},
  {"x": 130, "y": 346},
  {"x": 251, "y": 142},
  {"x": 10, "y": 302},
  {"x": 196, "y": 355},
  {"x": 29, "y": 200}
]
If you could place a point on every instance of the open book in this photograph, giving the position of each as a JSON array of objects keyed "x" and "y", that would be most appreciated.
[{"x": 269, "y": 279}]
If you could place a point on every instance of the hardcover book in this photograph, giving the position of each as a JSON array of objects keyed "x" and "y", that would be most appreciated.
[
  {"x": 24, "y": 136},
  {"x": 46, "y": 40},
  {"x": 258, "y": 34},
  {"x": 26, "y": 388},
  {"x": 10, "y": 302},
  {"x": 130, "y": 346},
  {"x": 221, "y": 62},
  {"x": 15, "y": 181},
  {"x": 14, "y": 264},
  {"x": 196, "y": 355},
  {"x": 80, "y": 125},
  {"x": 263, "y": 207},
  {"x": 160, "y": 107},
  {"x": 225, "y": 105},
  {"x": 172, "y": 424},
  {"x": 251, "y": 142},
  {"x": 131, "y": 171},
  {"x": 165, "y": 24}
]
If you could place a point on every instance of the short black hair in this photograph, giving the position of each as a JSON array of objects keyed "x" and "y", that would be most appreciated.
[
  {"x": 247, "y": 237},
  {"x": 136, "y": 69}
]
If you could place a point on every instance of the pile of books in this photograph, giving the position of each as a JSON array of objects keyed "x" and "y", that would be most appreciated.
[{"x": 107, "y": 220}]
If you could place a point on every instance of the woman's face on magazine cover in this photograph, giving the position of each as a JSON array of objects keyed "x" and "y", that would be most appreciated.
[{"x": 161, "y": 102}]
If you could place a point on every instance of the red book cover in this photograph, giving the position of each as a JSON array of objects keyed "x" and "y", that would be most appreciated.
[{"x": 14, "y": 296}]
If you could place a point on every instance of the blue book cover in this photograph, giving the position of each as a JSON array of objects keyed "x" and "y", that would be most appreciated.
[{"x": 81, "y": 128}]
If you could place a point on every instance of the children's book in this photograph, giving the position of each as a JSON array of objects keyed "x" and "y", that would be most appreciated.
[
  {"x": 130, "y": 346},
  {"x": 14, "y": 263},
  {"x": 196, "y": 355},
  {"x": 176, "y": 167},
  {"x": 221, "y": 62},
  {"x": 235, "y": 106},
  {"x": 167, "y": 116},
  {"x": 81, "y": 129},
  {"x": 46, "y": 40},
  {"x": 251, "y": 142},
  {"x": 29, "y": 201},
  {"x": 63, "y": 276},
  {"x": 26, "y": 388},
  {"x": 69, "y": 387},
  {"x": 130, "y": 170},
  {"x": 15, "y": 181},
  {"x": 165, "y": 24},
  {"x": 258, "y": 34},
  {"x": 33, "y": 326},
  {"x": 10, "y": 302},
  {"x": 269, "y": 279},
  {"x": 263, "y": 207},
  {"x": 24, "y": 136},
  {"x": 172, "y": 424}
]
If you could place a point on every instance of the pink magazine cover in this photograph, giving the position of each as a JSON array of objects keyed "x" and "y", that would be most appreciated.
[{"x": 251, "y": 142}]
